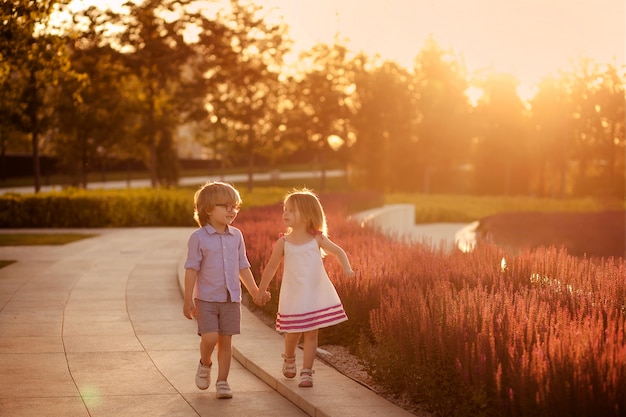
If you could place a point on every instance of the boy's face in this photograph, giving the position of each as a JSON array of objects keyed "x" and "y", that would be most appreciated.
[{"x": 223, "y": 214}]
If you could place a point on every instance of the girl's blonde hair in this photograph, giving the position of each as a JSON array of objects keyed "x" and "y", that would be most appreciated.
[
  {"x": 210, "y": 195},
  {"x": 310, "y": 208}
]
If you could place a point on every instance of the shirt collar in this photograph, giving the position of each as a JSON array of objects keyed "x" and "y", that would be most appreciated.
[{"x": 211, "y": 230}]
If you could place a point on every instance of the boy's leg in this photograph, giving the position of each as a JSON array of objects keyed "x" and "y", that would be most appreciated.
[
  {"x": 229, "y": 325},
  {"x": 203, "y": 373},
  {"x": 207, "y": 345},
  {"x": 224, "y": 356}
]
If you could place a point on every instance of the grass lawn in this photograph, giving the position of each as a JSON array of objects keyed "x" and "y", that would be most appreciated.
[{"x": 32, "y": 239}]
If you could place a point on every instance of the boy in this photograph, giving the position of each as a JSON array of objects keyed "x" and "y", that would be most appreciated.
[{"x": 216, "y": 264}]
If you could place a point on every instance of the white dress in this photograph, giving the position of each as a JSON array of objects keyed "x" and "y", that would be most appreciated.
[{"x": 308, "y": 299}]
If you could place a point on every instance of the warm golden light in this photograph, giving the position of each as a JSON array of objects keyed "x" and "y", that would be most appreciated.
[
  {"x": 474, "y": 94},
  {"x": 529, "y": 39},
  {"x": 335, "y": 142}
]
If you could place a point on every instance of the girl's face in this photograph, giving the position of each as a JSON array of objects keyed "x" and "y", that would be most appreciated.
[{"x": 291, "y": 216}]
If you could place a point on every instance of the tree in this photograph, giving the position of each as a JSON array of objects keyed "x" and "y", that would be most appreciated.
[
  {"x": 91, "y": 116},
  {"x": 502, "y": 156},
  {"x": 597, "y": 96},
  {"x": 322, "y": 103},
  {"x": 386, "y": 140},
  {"x": 168, "y": 71},
  {"x": 34, "y": 58},
  {"x": 10, "y": 136},
  {"x": 551, "y": 137},
  {"x": 443, "y": 137},
  {"x": 611, "y": 129},
  {"x": 243, "y": 99}
]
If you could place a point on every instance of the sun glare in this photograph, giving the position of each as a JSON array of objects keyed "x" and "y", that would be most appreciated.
[
  {"x": 529, "y": 40},
  {"x": 526, "y": 92},
  {"x": 474, "y": 94},
  {"x": 335, "y": 142}
]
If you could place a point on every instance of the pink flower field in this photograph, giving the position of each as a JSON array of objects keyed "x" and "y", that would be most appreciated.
[{"x": 536, "y": 333}]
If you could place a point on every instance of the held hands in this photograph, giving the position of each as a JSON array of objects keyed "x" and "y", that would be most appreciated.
[{"x": 262, "y": 297}]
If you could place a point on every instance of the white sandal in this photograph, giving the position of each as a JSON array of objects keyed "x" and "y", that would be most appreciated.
[
  {"x": 306, "y": 378},
  {"x": 289, "y": 366}
]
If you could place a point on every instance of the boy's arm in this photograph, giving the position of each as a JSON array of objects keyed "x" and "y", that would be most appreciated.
[
  {"x": 246, "y": 277},
  {"x": 189, "y": 308}
]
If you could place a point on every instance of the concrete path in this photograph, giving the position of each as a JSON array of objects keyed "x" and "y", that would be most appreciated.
[{"x": 95, "y": 328}]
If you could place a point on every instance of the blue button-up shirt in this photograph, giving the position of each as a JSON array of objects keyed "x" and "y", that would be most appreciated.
[{"x": 218, "y": 258}]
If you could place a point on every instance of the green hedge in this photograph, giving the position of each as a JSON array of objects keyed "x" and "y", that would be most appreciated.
[
  {"x": 110, "y": 208},
  {"x": 162, "y": 207},
  {"x": 140, "y": 207}
]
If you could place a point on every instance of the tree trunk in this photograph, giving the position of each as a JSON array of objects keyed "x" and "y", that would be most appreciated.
[
  {"x": 250, "y": 171},
  {"x": 83, "y": 163},
  {"x": 129, "y": 174},
  {"x": 564, "y": 158},
  {"x": 32, "y": 111},
  {"x": 3, "y": 153},
  {"x": 154, "y": 180},
  {"x": 36, "y": 165}
]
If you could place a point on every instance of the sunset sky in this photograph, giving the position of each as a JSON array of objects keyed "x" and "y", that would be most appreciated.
[{"x": 526, "y": 38}]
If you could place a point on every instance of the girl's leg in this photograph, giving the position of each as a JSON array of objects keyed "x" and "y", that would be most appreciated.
[
  {"x": 291, "y": 342},
  {"x": 289, "y": 356},
  {"x": 224, "y": 356},
  {"x": 310, "y": 348}
]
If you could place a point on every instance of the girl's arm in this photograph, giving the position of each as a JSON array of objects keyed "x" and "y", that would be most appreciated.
[
  {"x": 331, "y": 247},
  {"x": 271, "y": 267}
]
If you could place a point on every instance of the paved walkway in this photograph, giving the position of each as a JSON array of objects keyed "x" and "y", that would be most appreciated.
[
  {"x": 186, "y": 181},
  {"x": 95, "y": 328}
]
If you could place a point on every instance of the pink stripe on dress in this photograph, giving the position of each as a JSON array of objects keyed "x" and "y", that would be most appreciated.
[{"x": 310, "y": 321}]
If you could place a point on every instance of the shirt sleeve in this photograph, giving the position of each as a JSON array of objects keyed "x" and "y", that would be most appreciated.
[
  {"x": 194, "y": 254},
  {"x": 243, "y": 257}
]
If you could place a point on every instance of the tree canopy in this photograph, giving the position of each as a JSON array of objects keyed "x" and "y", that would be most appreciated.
[{"x": 123, "y": 85}]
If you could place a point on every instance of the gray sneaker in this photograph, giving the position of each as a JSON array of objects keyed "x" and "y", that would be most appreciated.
[
  {"x": 203, "y": 376},
  {"x": 223, "y": 390}
]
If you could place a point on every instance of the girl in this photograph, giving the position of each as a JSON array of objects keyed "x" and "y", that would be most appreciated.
[{"x": 308, "y": 300}]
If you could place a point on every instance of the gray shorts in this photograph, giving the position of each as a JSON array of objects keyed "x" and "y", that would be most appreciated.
[{"x": 222, "y": 318}]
